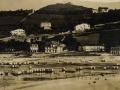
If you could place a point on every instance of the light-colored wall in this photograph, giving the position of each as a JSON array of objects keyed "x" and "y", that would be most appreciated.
[
  {"x": 115, "y": 51},
  {"x": 93, "y": 48},
  {"x": 103, "y": 10},
  {"x": 18, "y": 32},
  {"x": 51, "y": 49},
  {"x": 34, "y": 48},
  {"x": 46, "y": 25},
  {"x": 82, "y": 27}
]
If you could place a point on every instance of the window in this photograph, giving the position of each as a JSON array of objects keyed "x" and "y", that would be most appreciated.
[{"x": 112, "y": 48}]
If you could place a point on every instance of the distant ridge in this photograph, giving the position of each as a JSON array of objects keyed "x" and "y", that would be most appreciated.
[{"x": 60, "y": 6}]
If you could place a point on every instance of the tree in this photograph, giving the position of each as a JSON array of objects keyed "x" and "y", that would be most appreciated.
[{"x": 71, "y": 43}]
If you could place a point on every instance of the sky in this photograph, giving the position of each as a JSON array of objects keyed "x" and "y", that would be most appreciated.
[
  {"x": 37, "y": 4},
  {"x": 102, "y": 0}
]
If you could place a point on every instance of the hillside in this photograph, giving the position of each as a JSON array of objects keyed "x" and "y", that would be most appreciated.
[
  {"x": 60, "y": 6},
  {"x": 66, "y": 8},
  {"x": 10, "y": 20},
  {"x": 89, "y": 39},
  {"x": 63, "y": 17}
]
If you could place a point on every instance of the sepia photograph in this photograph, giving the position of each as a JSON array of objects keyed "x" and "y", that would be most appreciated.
[{"x": 59, "y": 44}]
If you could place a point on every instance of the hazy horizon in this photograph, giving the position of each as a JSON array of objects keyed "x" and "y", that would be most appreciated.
[{"x": 37, "y": 4}]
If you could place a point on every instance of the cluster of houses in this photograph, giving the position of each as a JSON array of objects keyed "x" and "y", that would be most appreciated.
[
  {"x": 54, "y": 46},
  {"x": 101, "y": 10},
  {"x": 104, "y": 10},
  {"x": 21, "y": 32},
  {"x": 58, "y": 47}
]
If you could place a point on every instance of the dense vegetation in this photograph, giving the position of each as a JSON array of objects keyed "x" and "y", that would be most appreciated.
[{"x": 16, "y": 45}]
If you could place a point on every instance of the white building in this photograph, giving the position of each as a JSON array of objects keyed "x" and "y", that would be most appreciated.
[
  {"x": 45, "y": 25},
  {"x": 103, "y": 9},
  {"x": 92, "y": 48},
  {"x": 18, "y": 32},
  {"x": 34, "y": 48},
  {"x": 82, "y": 27},
  {"x": 54, "y": 47},
  {"x": 115, "y": 50}
]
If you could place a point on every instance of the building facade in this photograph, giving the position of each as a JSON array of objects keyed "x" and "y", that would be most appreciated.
[
  {"x": 115, "y": 50},
  {"x": 18, "y": 32},
  {"x": 103, "y": 9},
  {"x": 82, "y": 27},
  {"x": 54, "y": 47},
  {"x": 95, "y": 10},
  {"x": 34, "y": 48},
  {"x": 91, "y": 48},
  {"x": 45, "y": 25},
  {"x": 10, "y": 49}
]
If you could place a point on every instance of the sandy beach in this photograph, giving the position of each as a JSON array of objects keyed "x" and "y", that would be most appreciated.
[
  {"x": 107, "y": 82},
  {"x": 86, "y": 83}
]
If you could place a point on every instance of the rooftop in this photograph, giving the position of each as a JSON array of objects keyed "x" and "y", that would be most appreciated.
[
  {"x": 103, "y": 8},
  {"x": 54, "y": 43}
]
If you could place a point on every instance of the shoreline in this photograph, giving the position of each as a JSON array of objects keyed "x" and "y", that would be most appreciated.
[{"x": 68, "y": 81}]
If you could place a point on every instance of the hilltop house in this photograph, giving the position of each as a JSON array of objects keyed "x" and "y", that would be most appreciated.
[
  {"x": 95, "y": 10},
  {"x": 45, "y": 25},
  {"x": 82, "y": 27},
  {"x": 100, "y": 10},
  {"x": 18, "y": 32},
  {"x": 103, "y": 9},
  {"x": 54, "y": 47}
]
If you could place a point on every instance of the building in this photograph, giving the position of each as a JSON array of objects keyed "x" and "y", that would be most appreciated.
[
  {"x": 54, "y": 47},
  {"x": 103, "y": 9},
  {"x": 91, "y": 48},
  {"x": 34, "y": 48},
  {"x": 95, "y": 10},
  {"x": 100, "y": 10},
  {"x": 18, "y": 32},
  {"x": 45, "y": 25},
  {"x": 115, "y": 50},
  {"x": 82, "y": 27},
  {"x": 34, "y": 39}
]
